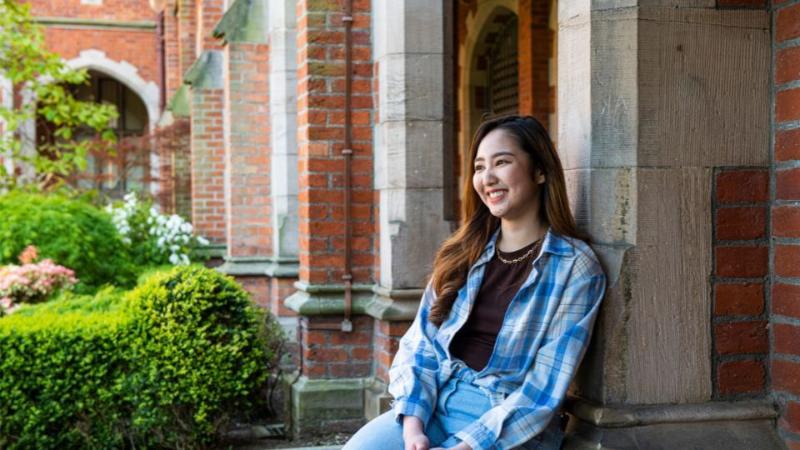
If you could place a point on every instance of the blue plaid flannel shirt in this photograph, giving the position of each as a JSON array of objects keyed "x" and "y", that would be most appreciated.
[{"x": 543, "y": 337}]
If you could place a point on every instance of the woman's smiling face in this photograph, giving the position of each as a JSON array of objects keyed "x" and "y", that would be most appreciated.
[{"x": 502, "y": 177}]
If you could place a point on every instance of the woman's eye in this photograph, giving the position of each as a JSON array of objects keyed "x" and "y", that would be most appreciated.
[
  {"x": 500, "y": 162},
  {"x": 478, "y": 168}
]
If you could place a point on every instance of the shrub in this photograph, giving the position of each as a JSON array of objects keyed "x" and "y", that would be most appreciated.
[
  {"x": 72, "y": 233},
  {"x": 166, "y": 365},
  {"x": 153, "y": 238}
]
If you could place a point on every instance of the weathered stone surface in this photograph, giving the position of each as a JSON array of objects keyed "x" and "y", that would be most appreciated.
[{"x": 320, "y": 406}]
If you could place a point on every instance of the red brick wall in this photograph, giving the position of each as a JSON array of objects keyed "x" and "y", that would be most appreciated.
[
  {"x": 387, "y": 341},
  {"x": 249, "y": 214},
  {"x": 535, "y": 47},
  {"x": 785, "y": 298},
  {"x": 137, "y": 47},
  {"x": 187, "y": 27},
  {"x": 741, "y": 254},
  {"x": 122, "y": 10},
  {"x": 208, "y": 13},
  {"x": 208, "y": 164},
  {"x": 329, "y": 353},
  {"x": 320, "y": 138}
]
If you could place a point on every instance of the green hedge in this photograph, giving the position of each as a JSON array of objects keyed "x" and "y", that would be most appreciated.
[
  {"x": 165, "y": 366},
  {"x": 73, "y": 233}
]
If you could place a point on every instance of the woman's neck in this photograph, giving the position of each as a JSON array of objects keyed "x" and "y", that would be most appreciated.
[{"x": 516, "y": 234}]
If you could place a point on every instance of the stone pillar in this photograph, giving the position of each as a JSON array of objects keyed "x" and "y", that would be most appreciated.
[
  {"x": 409, "y": 156},
  {"x": 785, "y": 199},
  {"x": 651, "y": 100},
  {"x": 324, "y": 399},
  {"x": 283, "y": 140},
  {"x": 247, "y": 150}
]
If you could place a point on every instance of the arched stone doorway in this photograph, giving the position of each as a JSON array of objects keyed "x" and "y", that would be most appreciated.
[{"x": 506, "y": 64}]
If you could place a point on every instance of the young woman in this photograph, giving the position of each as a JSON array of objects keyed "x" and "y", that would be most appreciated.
[{"x": 507, "y": 315}]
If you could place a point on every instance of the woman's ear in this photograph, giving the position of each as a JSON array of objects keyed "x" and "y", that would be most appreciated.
[{"x": 540, "y": 179}]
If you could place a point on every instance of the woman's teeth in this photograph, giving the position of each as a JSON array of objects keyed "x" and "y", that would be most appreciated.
[{"x": 496, "y": 194}]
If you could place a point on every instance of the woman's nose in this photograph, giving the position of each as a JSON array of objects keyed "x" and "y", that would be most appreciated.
[{"x": 489, "y": 177}]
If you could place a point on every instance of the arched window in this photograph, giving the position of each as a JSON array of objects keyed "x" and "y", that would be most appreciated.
[
  {"x": 503, "y": 76},
  {"x": 129, "y": 168}
]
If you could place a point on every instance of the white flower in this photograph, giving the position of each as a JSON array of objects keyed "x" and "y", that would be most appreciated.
[{"x": 174, "y": 259}]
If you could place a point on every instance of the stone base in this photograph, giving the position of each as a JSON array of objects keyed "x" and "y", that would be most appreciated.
[
  {"x": 376, "y": 400},
  {"x": 714, "y": 425},
  {"x": 325, "y": 406}
]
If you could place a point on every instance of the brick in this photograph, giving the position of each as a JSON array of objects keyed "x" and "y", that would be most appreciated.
[
  {"x": 361, "y": 354},
  {"x": 786, "y": 300},
  {"x": 787, "y": 105},
  {"x": 394, "y": 329},
  {"x": 787, "y": 65},
  {"x": 352, "y": 338},
  {"x": 741, "y": 262},
  {"x": 741, "y": 337},
  {"x": 787, "y": 25},
  {"x": 785, "y": 376},
  {"x": 787, "y": 260},
  {"x": 743, "y": 186},
  {"x": 790, "y": 417},
  {"x": 787, "y": 144},
  {"x": 787, "y": 184},
  {"x": 351, "y": 370},
  {"x": 326, "y": 354},
  {"x": 786, "y": 338},
  {"x": 741, "y": 223},
  {"x": 739, "y": 299},
  {"x": 786, "y": 221},
  {"x": 739, "y": 377}
]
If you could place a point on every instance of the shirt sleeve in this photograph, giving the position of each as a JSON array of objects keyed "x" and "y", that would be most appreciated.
[
  {"x": 528, "y": 410},
  {"x": 412, "y": 377}
]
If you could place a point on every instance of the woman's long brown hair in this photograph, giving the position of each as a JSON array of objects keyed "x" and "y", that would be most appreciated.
[{"x": 460, "y": 251}]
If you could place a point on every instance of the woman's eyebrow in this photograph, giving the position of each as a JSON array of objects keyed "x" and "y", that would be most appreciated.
[{"x": 503, "y": 153}]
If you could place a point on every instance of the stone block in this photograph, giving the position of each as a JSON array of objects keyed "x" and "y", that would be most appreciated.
[{"x": 324, "y": 406}]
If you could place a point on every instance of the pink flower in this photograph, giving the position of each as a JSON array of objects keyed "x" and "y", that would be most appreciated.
[{"x": 34, "y": 282}]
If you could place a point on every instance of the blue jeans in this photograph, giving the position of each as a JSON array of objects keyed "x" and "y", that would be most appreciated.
[{"x": 459, "y": 403}]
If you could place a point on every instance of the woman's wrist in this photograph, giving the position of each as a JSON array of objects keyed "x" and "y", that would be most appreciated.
[{"x": 412, "y": 426}]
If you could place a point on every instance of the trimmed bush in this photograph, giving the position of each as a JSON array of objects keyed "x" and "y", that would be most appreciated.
[
  {"x": 72, "y": 233},
  {"x": 166, "y": 365}
]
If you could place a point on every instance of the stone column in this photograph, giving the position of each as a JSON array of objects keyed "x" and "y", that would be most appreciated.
[
  {"x": 283, "y": 140},
  {"x": 651, "y": 100},
  {"x": 409, "y": 156}
]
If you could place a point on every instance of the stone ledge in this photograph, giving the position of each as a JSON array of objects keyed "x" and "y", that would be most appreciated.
[
  {"x": 82, "y": 23},
  {"x": 268, "y": 266},
  {"x": 327, "y": 299},
  {"x": 394, "y": 304},
  {"x": 375, "y": 301},
  {"x": 639, "y": 415},
  {"x": 206, "y": 71}
]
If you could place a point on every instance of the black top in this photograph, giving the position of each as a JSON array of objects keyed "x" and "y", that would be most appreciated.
[{"x": 474, "y": 342}]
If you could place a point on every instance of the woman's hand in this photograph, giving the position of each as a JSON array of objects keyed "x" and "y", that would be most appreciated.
[
  {"x": 414, "y": 434},
  {"x": 417, "y": 442}
]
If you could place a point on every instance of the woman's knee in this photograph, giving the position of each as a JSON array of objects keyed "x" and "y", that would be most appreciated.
[{"x": 382, "y": 432}]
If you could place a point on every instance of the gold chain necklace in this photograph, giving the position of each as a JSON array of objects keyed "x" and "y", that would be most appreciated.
[{"x": 521, "y": 258}]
